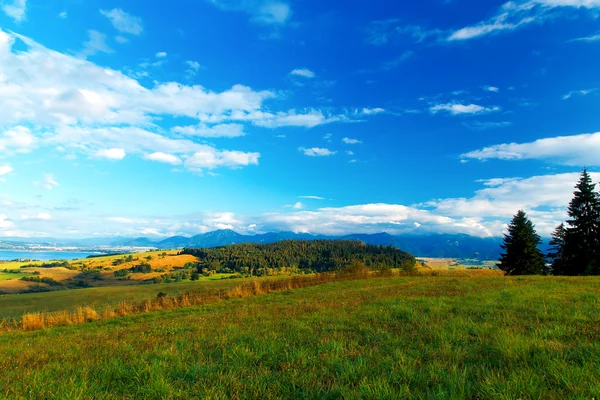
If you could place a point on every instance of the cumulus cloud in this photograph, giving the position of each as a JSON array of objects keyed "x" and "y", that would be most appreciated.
[
  {"x": 576, "y": 150},
  {"x": 462, "y": 109},
  {"x": 303, "y": 72},
  {"x": 111, "y": 154},
  {"x": 17, "y": 140},
  {"x": 15, "y": 9},
  {"x": 160, "y": 54},
  {"x": 317, "y": 152},
  {"x": 5, "y": 170},
  {"x": 124, "y": 22},
  {"x": 48, "y": 182}
]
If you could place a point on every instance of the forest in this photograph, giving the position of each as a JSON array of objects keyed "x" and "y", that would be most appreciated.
[{"x": 299, "y": 256}]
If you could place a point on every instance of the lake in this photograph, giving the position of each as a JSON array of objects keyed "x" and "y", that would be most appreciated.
[{"x": 43, "y": 255}]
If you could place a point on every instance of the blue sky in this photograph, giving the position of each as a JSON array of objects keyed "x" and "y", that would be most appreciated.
[{"x": 438, "y": 116}]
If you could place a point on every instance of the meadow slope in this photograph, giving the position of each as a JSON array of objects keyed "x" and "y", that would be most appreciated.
[{"x": 411, "y": 337}]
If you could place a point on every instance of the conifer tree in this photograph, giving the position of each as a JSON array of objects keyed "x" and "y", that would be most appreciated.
[
  {"x": 521, "y": 253},
  {"x": 581, "y": 255},
  {"x": 557, "y": 247}
]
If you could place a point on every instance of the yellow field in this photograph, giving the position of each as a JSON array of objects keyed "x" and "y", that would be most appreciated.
[{"x": 160, "y": 261}]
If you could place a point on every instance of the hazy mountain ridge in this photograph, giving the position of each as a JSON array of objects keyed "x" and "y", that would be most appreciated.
[{"x": 434, "y": 245}]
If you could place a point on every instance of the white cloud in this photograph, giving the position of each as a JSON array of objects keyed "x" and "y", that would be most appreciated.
[
  {"x": 578, "y": 93},
  {"x": 349, "y": 152},
  {"x": 193, "y": 68},
  {"x": 95, "y": 44},
  {"x": 5, "y": 223},
  {"x": 164, "y": 158},
  {"x": 124, "y": 22},
  {"x": 210, "y": 158},
  {"x": 303, "y": 72},
  {"x": 516, "y": 14},
  {"x": 215, "y": 131},
  {"x": 591, "y": 38},
  {"x": 296, "y": 206},
  {"x": 576, "y": 150},
  {"x": 311, "y": 197},
  {"x": 317, "y": 152},
  {"x": 492, "y": 89},
  {"x": 18, "y": 140},
  {"x": 462, "y": 109},
  {"x": 161, "y": 54},
  {"x": 48, "y": 182},
  {"x": 397, "y": 61},
  {"x": 484, "y": 214},
  {"x": 15, "y": 9},
  {"x": 5, "y": 170},
  {"x": 36, "y": 217},
  {"x": 111, "y": 154},
  {"x": 371, "y": 111},
  {"x": 351, "y": 141},
  {"x": 63, "y": 15},
  {"x": 121, "y": 39}
]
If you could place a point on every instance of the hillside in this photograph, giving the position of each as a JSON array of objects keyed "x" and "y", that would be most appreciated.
[{"x": 437, "y": 337}]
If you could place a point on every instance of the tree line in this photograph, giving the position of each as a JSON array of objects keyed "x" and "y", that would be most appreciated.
[
  {"x": 301, "y": 256},
  {"x": 575, "y": 244}
]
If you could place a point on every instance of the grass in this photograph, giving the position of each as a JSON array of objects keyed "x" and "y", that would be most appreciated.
[
  {"x": 7, "y": 276},
  {"x": 14, "y": 306},
  {"x": 477, "y": 336}
]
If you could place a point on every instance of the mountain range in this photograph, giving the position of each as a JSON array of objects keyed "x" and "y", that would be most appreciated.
[{"x": 434, "y": 245}]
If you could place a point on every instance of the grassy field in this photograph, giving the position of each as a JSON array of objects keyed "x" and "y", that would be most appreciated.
[
  {"x": 14, "y": 306},
  {"x": 478, "y": 337}
]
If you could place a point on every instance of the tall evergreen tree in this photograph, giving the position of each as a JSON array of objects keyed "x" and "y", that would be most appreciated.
[
  {"x": 581, "y": 255},
  {"x": 521, "y": 253},
  {"x": 557, "y": 247}
]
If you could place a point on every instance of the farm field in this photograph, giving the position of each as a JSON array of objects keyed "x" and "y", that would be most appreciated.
[
  {"x": 93, "y": 272},
  {"x": 475, "y": 336}
]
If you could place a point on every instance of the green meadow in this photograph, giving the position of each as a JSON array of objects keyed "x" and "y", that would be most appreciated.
[{"x": 471, "y": 337}]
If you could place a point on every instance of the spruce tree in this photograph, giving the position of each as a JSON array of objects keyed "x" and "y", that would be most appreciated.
[
  {"x": 557, "y": 247},
  {"x": 581, "y": 255},
  {"x": 521, "y": 253}
]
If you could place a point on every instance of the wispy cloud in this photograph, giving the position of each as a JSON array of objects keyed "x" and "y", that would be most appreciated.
[
  {"x": 267, "y": 12},
  {"x": 311, "y": 197},
  {"x": 393, "y": 31},
  {"x": 48, "y": 182},
  {"x": 15, "y": 9},
  {"x": 513, "y": 15},
  {"x": 95, "y": 44},
  {"x": 578, "y": 93},
  {"x": 317, "y": 152},
  {"x": 351, "y": 141},
  {"x": 462, "y": 109},
  {"x": 485, "y": 125},
  {"x": 592, "y": 38},
  {"x": 124, "y": 22}
]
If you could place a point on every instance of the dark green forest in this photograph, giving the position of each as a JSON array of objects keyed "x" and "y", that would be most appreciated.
[{"x": 301, "y": 256}]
